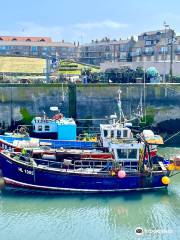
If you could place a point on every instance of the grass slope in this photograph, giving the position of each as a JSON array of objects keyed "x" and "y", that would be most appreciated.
[
  {"x": 22, "y": 64},
  {"x": 78, "y": 67}
]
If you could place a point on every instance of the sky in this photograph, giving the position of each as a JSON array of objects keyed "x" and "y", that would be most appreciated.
[{"x": 82, "y": 20}]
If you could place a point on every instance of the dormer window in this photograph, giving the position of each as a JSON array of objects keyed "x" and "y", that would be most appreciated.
[
  {"x": 145, "y": 36},
  {"x": 148, "y": 42},
  {"x": 28, "y": 40},
  {"x": 1, "y": 39},
  {"x": 14, "y": 39},
  {"x": 42, "y": 40}
]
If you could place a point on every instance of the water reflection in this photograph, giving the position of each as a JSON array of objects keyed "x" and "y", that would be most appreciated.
[{"x": 89, "y": 216}]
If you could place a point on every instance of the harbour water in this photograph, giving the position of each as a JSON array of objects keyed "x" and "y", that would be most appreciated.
[{"x": 93, "y": 217}]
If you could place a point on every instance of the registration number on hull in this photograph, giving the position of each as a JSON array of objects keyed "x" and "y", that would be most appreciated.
[{"x": 29, "y": 172}]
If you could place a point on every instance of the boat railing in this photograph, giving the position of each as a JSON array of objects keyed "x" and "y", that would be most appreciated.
[
  {"x": 80, "y": 165},
  {"x": 129, "y": 166},
  {"x": 91, "y": 164},
  {"x": 110, "y": 165},
  {"x": 47, "y": 163}
]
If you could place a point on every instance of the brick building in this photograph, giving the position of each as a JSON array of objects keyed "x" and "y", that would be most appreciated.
[
  {"x": 106, "y": 50},
  {"x": 36, "y": 47}
]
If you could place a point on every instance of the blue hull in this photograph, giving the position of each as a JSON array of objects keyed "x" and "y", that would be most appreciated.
[{"x": 19, "y": 175}]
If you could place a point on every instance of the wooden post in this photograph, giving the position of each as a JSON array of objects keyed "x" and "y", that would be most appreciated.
[{"x": 72, "y": 100}]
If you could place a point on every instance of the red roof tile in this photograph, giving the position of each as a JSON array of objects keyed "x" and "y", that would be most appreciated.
[{"x": 25, "y": 39}]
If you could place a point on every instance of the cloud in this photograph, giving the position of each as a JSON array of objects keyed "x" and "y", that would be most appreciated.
[{"x": 101, "y": 24}]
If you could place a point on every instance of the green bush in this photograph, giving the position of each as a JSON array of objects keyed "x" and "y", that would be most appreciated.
[{"x": 27, "y": 118}]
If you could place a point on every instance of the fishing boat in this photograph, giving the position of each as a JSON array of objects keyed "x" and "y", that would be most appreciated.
[
  {"x": 56, "y": 132},
  {"x": 129, "y": 170},
  {"x": 57, "y": 127}
]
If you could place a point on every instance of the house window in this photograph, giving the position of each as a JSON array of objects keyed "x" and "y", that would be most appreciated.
[
  {"x": 28, "y": 40},
  {"x": 2, "y": 47},
  {"x": 163, "y": 49},
  {"x": 14, "y": 39},
  {"x": 47, "y": 128},
  {"x": 123, "y": 55},
  {"x": 138, "y": 51},
  {"x": 145, "y": 37},
  {"x": 148, "y": 43},
  {"x": 112, "y": 133},
  {"x": 123, "y": 48},
  {"x": 40, "y": 128},
  {"x": 1, "y": 39},
  {"x": 42, "y": 40},
  {"x": 33, "y": 49},
  {"x": 148, "y": 50}
]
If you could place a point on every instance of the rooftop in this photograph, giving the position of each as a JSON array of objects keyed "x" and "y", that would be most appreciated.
[
  {"x": 38, "y": 44},
  {"x": 107, "y": 42},
  {"x": 25, "y": 39},
  {"x": 155, "y": 32}
]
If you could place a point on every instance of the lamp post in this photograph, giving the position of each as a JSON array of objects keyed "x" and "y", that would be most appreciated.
[
  {"x": 166, "y": 26},
  {"x": 47, "y": 69},
  {"x": 171, "y": 57},
  {"x": 11, "y": 105}
]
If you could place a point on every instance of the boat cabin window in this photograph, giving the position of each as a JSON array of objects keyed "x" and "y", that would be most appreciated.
[
  {"x": 122, "y": 153},
  {"x": 132, "y": 153},
  {"x": 40, "y": 128},
  {"x": 127, "y": 154},
  {"x": 105, "y": 133},
  {"x": 125, "y": 133},
  {"x": 46, "y": 128},
  {"x": 118, "y": 134}
]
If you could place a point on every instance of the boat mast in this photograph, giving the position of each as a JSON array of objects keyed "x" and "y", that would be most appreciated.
[{"x": 121, "y": 114}]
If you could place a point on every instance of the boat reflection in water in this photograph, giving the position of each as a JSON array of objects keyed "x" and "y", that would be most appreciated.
[{"x": 107, "y": 216}]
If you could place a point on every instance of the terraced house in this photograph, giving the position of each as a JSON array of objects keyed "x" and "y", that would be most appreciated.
[
  {"x": 153, "y": 46},
  {"x": 36, "y": 47},
  {"x": 159, "y": 49},
  {"x": 98, "y": 52}
]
